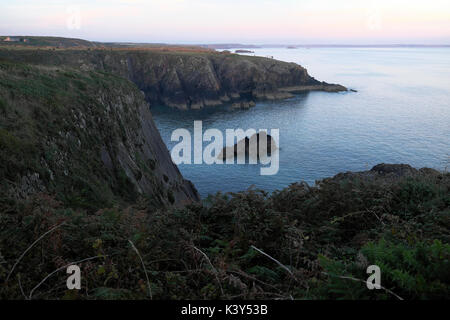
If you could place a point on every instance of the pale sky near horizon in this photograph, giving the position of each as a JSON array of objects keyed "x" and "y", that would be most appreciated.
[{"x": 233, "y": 21}]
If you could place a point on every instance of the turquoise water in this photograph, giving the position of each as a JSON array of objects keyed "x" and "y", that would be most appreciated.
[{"x": 400, "y": 114}]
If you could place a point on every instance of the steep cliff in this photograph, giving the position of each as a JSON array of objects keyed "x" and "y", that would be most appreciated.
[
  {"x": 87, "y": 137},
  {"x": 185, "y": 79}
]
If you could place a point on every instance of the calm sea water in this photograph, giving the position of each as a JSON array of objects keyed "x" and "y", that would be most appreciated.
[{"x": 400, "y": 114}]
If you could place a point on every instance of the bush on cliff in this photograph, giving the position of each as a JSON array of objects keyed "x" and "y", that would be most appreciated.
[{"x": 301, "y": 242}]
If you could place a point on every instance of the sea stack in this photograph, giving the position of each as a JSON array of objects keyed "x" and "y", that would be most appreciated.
[{"x": 266, "y": 146}]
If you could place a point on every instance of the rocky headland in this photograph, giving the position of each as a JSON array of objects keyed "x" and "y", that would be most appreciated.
[{"x": 184, "y": 79}]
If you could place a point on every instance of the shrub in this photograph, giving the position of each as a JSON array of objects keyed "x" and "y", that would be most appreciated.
[
  {"x": 412, "y": 271},
  {"x": 3, "y": 105},
  {"x": 310, "y": 241}
]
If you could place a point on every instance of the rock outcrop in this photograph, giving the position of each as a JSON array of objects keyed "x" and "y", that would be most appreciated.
[
  {"x": 243, "y": 105},
  {"x": 242, "y": 147},
  {"x": 382, "y": 173},
  {"x": 187, "y": 80}
]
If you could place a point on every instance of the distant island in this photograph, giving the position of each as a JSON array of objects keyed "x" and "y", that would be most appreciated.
[
  {"x": 244, "y": 51},
  {"x": 325, "y": 45}
]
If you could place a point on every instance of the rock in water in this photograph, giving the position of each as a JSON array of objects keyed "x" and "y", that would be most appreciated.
[
  {"x": 243, "y": 105},
  {"x": 244, "y": 145}
]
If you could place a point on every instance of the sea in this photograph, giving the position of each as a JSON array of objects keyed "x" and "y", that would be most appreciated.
[{"x": 399, "y": 114}]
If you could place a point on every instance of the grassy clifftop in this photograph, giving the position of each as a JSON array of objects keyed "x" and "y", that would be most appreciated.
[
  {"x": 31, "y": 41},
  {"x": 181, "y": 77}
]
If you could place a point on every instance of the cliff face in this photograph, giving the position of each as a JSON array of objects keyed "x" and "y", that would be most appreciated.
[
  {"x": 197, "y": 81},
  {"x": 188, "y": 80},
  {"x": 87, "y": 137}
]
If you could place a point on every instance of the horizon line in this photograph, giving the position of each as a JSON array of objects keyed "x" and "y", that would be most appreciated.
[{"x": 255, "y": 46}]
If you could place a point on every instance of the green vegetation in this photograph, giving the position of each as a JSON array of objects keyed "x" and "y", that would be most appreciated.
[
  {"x": 417, "y": 270},
  {"x": 32, "y": 41},
  {"x": 322, "y": 237}
]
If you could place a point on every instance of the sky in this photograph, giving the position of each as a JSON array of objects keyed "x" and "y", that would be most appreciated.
[{"x": 233, "y": 21}]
